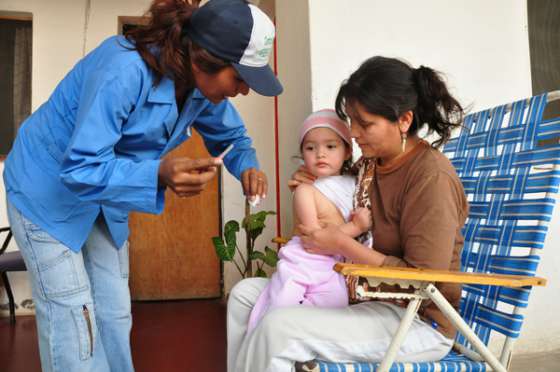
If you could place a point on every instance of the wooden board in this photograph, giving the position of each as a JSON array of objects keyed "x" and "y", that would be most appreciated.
[{"x": 171, "y": 255}]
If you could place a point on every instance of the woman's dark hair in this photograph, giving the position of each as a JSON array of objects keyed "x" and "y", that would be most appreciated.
[
  {"x": 165, "y": 48},
  {"x": 347, "y": 166},
  {"x": 389, "y": 87}
]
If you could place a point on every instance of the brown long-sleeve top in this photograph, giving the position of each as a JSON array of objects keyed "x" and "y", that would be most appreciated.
[{"x": 418, "y": 209}]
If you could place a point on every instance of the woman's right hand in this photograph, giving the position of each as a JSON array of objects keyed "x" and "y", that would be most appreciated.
[
  {"x": 187, "y": 177},
  {"x": 301, "y": 175}
]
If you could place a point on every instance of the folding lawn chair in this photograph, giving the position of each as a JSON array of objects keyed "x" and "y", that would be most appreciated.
[{"x": 508, "y": 160}]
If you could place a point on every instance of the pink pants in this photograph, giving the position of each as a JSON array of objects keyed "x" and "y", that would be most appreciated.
[{"x": 301, "y": 278}]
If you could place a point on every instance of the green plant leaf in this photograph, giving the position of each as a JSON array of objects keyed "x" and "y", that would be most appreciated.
[
  {"x": 254, "y": 223},
  {"x": 230, "y": 233},
  {"x": 260, "y": 273},
  {"x": 256, "y": 255},
  {"x": 223, "y": 252},
  {"x": 271, "y": 257}
]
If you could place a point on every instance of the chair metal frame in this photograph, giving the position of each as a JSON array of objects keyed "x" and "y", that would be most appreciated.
[
  {"x": 423, "y": 281},
  {"x": 4, "y": 275}
]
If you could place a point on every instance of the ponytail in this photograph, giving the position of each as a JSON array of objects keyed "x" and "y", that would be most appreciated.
[
  {"x": 389, "y": 87},
  {"x": 436, "y": 107},
  {"x": 165, "y": 48}
]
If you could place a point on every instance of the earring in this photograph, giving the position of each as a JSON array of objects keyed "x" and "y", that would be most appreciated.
[{"x": 403, "y": 142}]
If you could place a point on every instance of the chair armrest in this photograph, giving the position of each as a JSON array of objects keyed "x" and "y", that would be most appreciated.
[
  {"x": 428, "y": 275},
  {"x": 280, "y": 240}
]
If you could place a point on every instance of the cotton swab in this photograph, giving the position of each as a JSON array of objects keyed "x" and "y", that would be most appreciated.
[
  {"x": 224, "y": 153},
  {"x": 254, "y": 201}
]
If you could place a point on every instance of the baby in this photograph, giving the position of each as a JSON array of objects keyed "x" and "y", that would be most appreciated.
[{"x": 304, "y": 278}]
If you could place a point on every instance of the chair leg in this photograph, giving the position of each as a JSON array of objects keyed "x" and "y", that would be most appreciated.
[
  {"x": 400, "y": 335},
  {"x": 10, "y": 297},
  {"x": 450, "y": 313}
]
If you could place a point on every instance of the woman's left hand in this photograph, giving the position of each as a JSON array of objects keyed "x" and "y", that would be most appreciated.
[
  {"x": 254, "y": 183},
  {"x": 321, "y": 241}
]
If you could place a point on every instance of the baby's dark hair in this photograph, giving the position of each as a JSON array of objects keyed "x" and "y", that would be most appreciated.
[{"x": 389, "y": 87}]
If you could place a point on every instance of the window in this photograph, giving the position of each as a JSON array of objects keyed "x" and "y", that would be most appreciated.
[
  {"x": 126, "y": 23},
  {"x": 15, "y": 75},
  {"x": 544, "y": 46}
]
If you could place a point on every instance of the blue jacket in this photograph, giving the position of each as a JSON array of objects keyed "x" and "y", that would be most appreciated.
[{"x": 94, "y": 146}]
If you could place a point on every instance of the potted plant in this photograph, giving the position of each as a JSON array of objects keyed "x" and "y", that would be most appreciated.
[{"x": 227, "y": 248}]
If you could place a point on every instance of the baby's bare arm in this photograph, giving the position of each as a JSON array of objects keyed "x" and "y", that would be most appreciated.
[{"x": 305, "y": 206}]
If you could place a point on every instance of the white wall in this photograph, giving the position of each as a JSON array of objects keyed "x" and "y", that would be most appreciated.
[
  {"x": 483, "y": 48},
  {"x": 294, "y": 69}
]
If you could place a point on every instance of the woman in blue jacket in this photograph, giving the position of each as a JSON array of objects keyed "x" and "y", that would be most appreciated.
[{"x": 93, "y": 152}]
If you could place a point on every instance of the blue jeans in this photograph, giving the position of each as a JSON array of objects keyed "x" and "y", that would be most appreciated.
[{"x": 82, "y": 300}]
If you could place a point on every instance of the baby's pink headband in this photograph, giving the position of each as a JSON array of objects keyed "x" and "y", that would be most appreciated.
[{"x": 326, "y": 118}]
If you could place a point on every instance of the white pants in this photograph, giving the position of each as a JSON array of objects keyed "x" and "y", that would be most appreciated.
[{"x": 359, "y": 332}]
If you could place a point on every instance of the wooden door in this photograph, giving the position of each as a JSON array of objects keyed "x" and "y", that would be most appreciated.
[{"x": 171, "y": 255}]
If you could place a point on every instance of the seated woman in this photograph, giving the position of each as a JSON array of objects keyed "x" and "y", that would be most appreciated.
[{"x": 418, "y": 208}]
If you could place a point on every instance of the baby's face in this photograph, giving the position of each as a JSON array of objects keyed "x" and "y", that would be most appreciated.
[{"x": 324, "y": 152}]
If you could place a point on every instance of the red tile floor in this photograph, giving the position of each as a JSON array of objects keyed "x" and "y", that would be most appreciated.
[
  {"x": 171, "y": 336},
  {"x": 177, "y": 336}
]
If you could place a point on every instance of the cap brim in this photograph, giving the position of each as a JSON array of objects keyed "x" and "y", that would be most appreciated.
[{"x": 261, "y": 79}]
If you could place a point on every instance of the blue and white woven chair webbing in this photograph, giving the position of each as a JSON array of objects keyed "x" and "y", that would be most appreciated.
[
  {"x": 508, "y": 135},
  {"x": 507, "y": 324},
  {"x": 532, "y": 209},
  {"x": 536, "y": 108},
  {"x": 469, "y": 310},
  {"x": 537, "y": 157},
  {"x": 451, "y": 363},
  {"x": 519, "y": 181},
  {"x": 549, "y": 128},
  {"x": 541, "y": 182},
  {"x": 530, "y": 236},
  {"x": 517, "y": 113},
  {"x": 514, "y": 296},
  {"x": 502, "y": 264},
  {"x": 494, "y": 208},
  {"x": 482, "y": 185},
  {"x": 492, "y": 135},
  {"x": 514, "y": 265},
  {"x": 499, "y": 210}
]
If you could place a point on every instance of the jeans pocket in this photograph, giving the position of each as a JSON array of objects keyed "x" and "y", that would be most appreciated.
[
  {"x": 37, "y": 234},
  {"x": 86, "y": 329},
  {"x": 124, "y": 260},
  {"x": 61, "y": 276},
  {"x": 60, "y": 271}
]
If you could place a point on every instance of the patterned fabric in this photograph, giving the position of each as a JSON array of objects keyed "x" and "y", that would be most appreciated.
[
  {"x": 507, "y": 158},
  {"x": 365, "y": 168}
]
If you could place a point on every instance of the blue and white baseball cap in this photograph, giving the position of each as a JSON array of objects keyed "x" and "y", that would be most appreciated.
[{"x": 240, "y": 33}]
